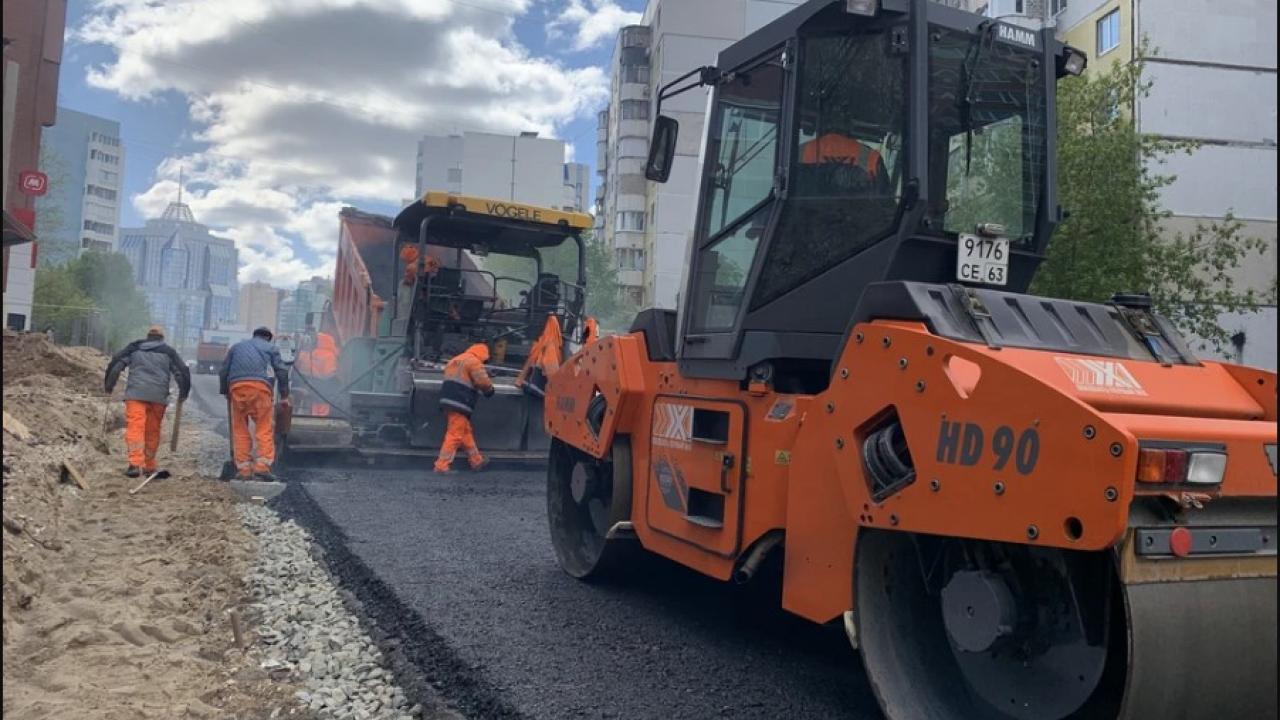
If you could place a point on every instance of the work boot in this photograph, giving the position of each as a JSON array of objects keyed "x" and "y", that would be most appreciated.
[
  {"x": 132, "y": 471},
  {"x": 265, "y": 476},
  {"x": 480, "y": 465},
  {"x": 446, "y": 471}
]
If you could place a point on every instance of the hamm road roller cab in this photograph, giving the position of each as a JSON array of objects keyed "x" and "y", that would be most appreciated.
[
  {"x": 456, "y": 270},
  {"x": 1017, "y": 506}
]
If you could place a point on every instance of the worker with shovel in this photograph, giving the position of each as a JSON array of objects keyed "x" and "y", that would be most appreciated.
[
  {"x": 248, "y": 377},
  {"x": 152, "y": 365}
]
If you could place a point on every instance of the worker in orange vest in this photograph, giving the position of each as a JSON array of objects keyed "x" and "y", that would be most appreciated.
[
  {"x": 836, "y": 148},
  {"x": 318, "y": 364},
  {"x": 409, "y": 257},
  {"x": 464, "y": 378}
]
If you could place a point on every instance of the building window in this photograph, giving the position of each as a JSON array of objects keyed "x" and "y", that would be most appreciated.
[
  {"x": 108, "y": 177},
  {"x": 635, "y": 109},
  {"x": 453, "y": 175},
  {"x": 635, "y": 74},
  {"x": 104, "y": 193},
  {"x": 98, "y": 227},
  {"x": 1109, "y": 32},
  {"x": 630, "y": 220},
  {"x": 1057, "y": 7}
]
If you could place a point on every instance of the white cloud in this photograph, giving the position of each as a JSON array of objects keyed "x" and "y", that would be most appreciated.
[
  {"x": 309, "y": 105},
  {"x": 592, "y": 22}
]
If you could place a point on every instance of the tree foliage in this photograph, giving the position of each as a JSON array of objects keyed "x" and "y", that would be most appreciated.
[
  {"x": 94, "y": 284},
  {"x": 1115, "y": 238},
  {"x": 604, "y": 302}
]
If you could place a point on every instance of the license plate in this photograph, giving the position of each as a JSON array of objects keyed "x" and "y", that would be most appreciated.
[{"x": 982, "y": 260}]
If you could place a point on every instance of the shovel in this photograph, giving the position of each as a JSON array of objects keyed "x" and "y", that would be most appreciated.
[
  {"x": 157, "y": 474},
  {"x": 229, "y": 467}
]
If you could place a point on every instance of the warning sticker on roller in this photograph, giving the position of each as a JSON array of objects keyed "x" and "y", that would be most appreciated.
[
  {"x": 672, "y": 425},
  {"x": 1100, "y": 376}
]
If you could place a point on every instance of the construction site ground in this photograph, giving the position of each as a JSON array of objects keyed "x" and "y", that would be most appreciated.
[
  {"x": 460, "y": 571},
  {"x": 115, "y": 605}
]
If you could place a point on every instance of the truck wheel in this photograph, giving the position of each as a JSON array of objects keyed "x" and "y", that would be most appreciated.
[{"x": 587, "y": 502}]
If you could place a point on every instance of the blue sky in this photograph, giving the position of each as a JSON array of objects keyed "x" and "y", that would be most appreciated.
[{"x": 282, "y": 111}]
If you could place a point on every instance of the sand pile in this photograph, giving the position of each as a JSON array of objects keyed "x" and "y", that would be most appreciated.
[{"x": 115, "y": 604}]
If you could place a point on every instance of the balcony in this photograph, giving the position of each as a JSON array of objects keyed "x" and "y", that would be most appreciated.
[
  {"x": 632, "y": 278},
  {"x": 635, "y": 36}
]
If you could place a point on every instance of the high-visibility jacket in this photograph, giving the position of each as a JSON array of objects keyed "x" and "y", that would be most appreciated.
[
  {"x": 409, "y": 256},
  {"x": 320, "y": 362},
  {"x": 837, "y": 148},
  {"x": 464, "y": 377}
]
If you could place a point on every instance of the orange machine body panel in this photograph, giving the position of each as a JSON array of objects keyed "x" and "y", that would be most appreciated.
[{"x": 1009, "y": 445}]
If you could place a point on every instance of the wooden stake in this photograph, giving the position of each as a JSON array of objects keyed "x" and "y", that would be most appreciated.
[
  {"x": 177, "y": 423},
  {"x": 236, "y": 632},
  {"x": 68, "y": 471}
]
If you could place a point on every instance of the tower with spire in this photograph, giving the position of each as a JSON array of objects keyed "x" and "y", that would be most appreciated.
[{"x": 187, "y": 273}]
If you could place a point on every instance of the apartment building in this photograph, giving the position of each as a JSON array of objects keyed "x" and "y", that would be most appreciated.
[
  {"x": 1213, "y": 75},
  {"x": 259, "y": 305},
  {"x": 85, "y": 162},
  {"x": 647, "y": 224},
  {"x": 523, "y": 168}
]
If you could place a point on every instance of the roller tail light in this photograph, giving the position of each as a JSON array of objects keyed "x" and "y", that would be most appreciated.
[{"x": 1167, "y": 464}]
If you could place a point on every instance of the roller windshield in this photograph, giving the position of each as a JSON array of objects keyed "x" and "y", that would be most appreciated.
[{"x": 986, "y": 133}]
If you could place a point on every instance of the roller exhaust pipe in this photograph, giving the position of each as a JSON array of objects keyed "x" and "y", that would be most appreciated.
[{"x": 755, "y": 556}]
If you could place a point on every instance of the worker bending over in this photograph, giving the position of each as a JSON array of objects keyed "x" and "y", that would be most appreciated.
[
  {"x": 152, "y": 364},
  {"x": 318, "y": 365},
  {"x": 247, "y": 378},
  {"x": 464, "y": 377}
]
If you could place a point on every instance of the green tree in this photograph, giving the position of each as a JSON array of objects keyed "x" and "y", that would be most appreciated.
[
  {"x": 604, "y": 303},
  {"x": 1114, "y": 239},
  {"x": 107, "y": 278},
  {"x": 60, "y": 303},
  {"x": 95, "y": 283}
]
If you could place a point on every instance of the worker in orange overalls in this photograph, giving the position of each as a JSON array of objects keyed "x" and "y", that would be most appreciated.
[
  {"x": 248, "y": 378},
  {"x": 319, "y": 366},
  {"x": 409, "y": 257},
  {"x": 152, "y": 364},
  {"x": 464, "y": 378},
  {"x": 837, "y": 149}
]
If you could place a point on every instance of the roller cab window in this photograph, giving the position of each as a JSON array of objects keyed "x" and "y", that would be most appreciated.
[
  {"x": 987, "y": 134},
  {"x": 846, "y": 172},
  {"x": 742, "y": 156}
]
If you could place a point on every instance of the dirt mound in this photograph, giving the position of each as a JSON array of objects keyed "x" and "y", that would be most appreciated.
[{"x": 31, "y": 355}]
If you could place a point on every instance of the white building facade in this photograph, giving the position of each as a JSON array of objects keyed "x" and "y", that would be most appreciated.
[
  {"x": 522, "y": 168},
  {"x": 1213, "y": 75},
  {"x": 577, "y": 188},
  {"x": 648, "y": 224}
]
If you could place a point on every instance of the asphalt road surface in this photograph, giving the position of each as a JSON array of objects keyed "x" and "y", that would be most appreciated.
[{"x": 507, "y": 634}]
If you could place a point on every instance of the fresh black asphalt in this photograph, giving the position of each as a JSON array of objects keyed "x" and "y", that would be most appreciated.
[
  {"x": 467, "y": 565},
  {"x": 458, "y": 579}
]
